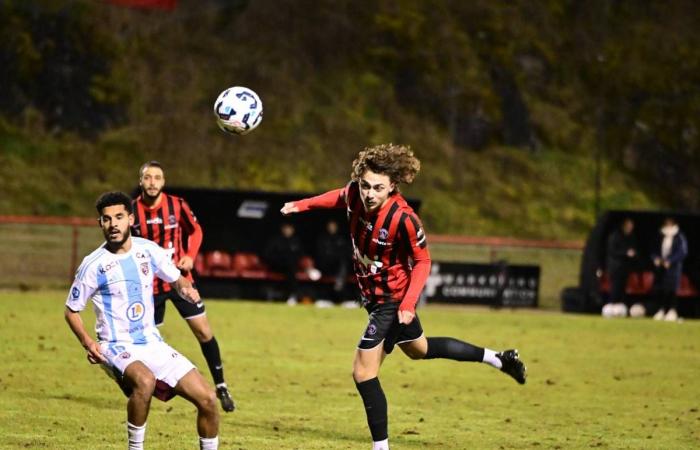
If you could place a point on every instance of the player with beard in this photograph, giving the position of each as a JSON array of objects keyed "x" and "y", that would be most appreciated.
[
  {"x": 168, "y": 221},
  {"x": 117, "y": 278},
  {"x": 392, "y": 264}
]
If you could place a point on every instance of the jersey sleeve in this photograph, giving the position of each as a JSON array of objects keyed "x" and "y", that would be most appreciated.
[
  {"x": 328, "y": 200},
  {"x": 192, "y": 228},
  {"x": 83, "y": 288},
  {"x": 413, "y": 234},
  {"x": 163, "y": 265}
]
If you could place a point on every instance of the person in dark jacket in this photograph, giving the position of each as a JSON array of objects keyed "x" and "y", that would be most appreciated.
[
  {"x": 282, "y": 254},
  {"x": 621, "y": 250},
  {"x": 333, "y": 255},
  {"x": 668, "y": 255}
]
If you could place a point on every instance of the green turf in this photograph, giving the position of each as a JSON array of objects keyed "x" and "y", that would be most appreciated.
[{"x": 593, "y": 382}]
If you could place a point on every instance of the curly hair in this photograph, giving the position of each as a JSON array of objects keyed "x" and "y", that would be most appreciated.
[{"x": 396, "y": 161}]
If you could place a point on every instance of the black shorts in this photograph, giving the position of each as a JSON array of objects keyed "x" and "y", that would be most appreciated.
[
  {"x": 384, "y": 327},
  {"x": 186, "y": 309}
]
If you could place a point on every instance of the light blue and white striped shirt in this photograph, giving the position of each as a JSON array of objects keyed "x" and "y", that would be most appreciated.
[{"x": 121, "y": 289}]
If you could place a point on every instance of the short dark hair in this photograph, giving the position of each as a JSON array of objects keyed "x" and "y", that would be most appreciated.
[
  {"x": 147, "y": 164},
  {"x": 111, "y": 199}
]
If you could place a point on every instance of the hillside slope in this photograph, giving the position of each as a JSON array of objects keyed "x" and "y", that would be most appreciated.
[{"x": 503, "y": 103}]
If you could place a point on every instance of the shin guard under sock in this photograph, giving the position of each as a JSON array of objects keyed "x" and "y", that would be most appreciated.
[
  {"x": 375, "y": 406},
  {"x": 449, "y": 348}
]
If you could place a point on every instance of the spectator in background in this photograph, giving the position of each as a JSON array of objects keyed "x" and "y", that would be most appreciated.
[
  {"x": 621, "y": 251},
  {"x": 282, "y": 254},
  {"x": 668, "y": 255},
  {"x": 332, "y": 257}
]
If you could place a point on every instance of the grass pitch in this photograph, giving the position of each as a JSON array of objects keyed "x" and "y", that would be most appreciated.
[{"x": 592, "y": 382}]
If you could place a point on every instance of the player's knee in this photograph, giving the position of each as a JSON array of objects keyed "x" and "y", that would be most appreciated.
[
  {"x": 203, "y": 335},
  {"x": 202, "y": 331},
  {"x": 207, "y": 402},
  {"x": 143, "y": 383},
  {"x": 362, "y": 373}
]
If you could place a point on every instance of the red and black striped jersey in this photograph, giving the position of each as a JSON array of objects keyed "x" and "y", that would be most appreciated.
[
  {"x": 390, "y": 252},
  {"x": 172, "y": 225}
]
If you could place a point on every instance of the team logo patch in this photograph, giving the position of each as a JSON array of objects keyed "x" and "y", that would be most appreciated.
[
  {"x": 383, "y": 233},
  {"x": 372, "y": 329},
  {"x": 75, "y": 292},
  {"x": 135, "y": 311},
  {"x": 125, "y": 355},
  {"x": 144, "y": 268},
  {"x": 172, "y": 220}
]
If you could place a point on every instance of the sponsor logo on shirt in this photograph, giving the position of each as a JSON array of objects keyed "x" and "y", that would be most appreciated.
[
  {"x": 154, "y": 221},
  {"x": 109, "y": 266},
  {"x": 135, "y": 311}
]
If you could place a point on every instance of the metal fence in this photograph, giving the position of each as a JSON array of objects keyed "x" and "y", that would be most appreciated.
[{"x": 43, "y": 252}]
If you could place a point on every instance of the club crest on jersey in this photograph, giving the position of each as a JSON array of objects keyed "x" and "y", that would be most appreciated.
[
  {"x": 125, "y": 355},
  {"x": 144, "y": 268},
  {"x": 383, "y": 233},
  {"x": 372, "y": 329},
  {"x": 135, "y": 311},
  {"x": 75, "y": 292},
  {"x": 172, "y": 220}
]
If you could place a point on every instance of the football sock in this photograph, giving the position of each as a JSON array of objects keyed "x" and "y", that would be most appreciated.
[
  {"x": 209, "y": 443},
  {"x": 381, "y": 445},
  {"x": 491, "y": 358},
  {"x": 375, "y": 406},
  {"x": 449, "y": 348},
  {"x": 210, "y": 350},
  {"x": 136, "y": 436}
]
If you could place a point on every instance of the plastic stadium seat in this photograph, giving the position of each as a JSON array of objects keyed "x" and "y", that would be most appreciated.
[
  {"x": 635, "y": 284},
  {"x": 240, "y": 262},
  {"x": 218, "y": 264},
  {"x": 199, "y": 265},
  {"x": 217, "y": 260},
  {"x": 686, "y": 288},
  {"x": 648, "y": 280},
  {"x": 306, "y": 263},
  {"x": 248, "y": 265}
]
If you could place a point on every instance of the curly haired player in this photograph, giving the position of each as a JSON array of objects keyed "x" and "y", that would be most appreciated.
[{"x": 392, "y": 264}]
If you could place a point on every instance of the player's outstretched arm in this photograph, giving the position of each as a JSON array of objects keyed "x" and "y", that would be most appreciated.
[
  {"x": 184, "y": 288},
  {"x": 327, "y": 200},
  {"x": 75, "y": 322}
]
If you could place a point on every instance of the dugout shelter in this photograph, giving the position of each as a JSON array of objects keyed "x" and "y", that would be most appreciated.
[
  {"x": 238, "y": 224},
  {"x": 593, "y": 290}
]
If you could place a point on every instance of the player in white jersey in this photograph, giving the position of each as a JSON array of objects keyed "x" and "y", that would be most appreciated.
[{"x": 118, "y": 278}]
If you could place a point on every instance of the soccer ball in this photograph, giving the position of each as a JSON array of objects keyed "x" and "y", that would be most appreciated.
[
  {"x": 238, "y": 110},
  {"x": 637, "y": 310},
  {"x": 608, "y": 310}
]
